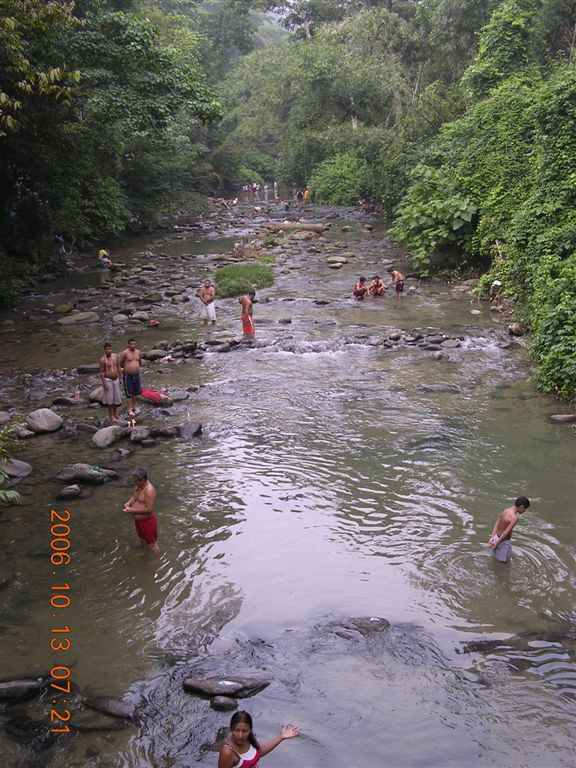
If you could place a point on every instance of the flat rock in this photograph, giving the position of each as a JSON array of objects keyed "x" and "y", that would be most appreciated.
[
  {"x": 190, "y": 429},
  {"x": 79, "y": 318},
  {"x": 563, "y": 418},
  {"x": 223, "y": 703},
  {"x": 232, "y": 686},
  {"x": 108, "y": 705},
  {"x": 88, "y": 368},
  {"x": 85, "y": 473},
  {"x": 43, "y": 420}
]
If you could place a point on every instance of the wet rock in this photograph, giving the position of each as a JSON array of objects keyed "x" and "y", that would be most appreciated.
[
  {"x": 67, "y": 401},
  {"x": 515, "y": 329},
  {"x": 122, "y": 453},
  {"x": 152, "y": 298},
  {"x": 4, "y": 418},
  {"x": 89, "y": 720},
  {"x": 563, "y": 418},
  {"x": 179, "y": 395},
  {"x": 223, "y": 703},
  {"x": 18, "y": 690},
  {"x": 120, "y": 319},
  {"x": 107, "y": 436},
  {"x": 22, "y": 433},
  {"x": 181, "y": 298},
  {"x": 234, "y": 685},
  {"x": 226, "y": 347},
  {"x": 70, "y": 492},
  {"x": 44, "y": 420},
  {"x": 451, "y": 344},
  {"x": 173, "y": 431},
  {"x": 89, "y": 368},
  {"x": 110, "y": 706},
  {"x": 79, "y": 318},
  {"x": 16, "y": 469},
  {"x": 62, "y": 309},
  {"x": 285, "y": 321},
  {"x": 139, "y": 434},
  {"x": 85, "y": 427},
  {"x": 141, "y": 317},
  {"x": 190, "y": 429},
  {"x": 35, "y": 734},
  {"x": 154, "y": 354},
  {"x": 86, "y": 473},
  {"x": 368, "y": 624},
  {"x": 148, "y": 442}
]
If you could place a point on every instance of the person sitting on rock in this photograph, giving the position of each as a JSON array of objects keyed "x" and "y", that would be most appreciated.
[{"x": 360, "y": 289}]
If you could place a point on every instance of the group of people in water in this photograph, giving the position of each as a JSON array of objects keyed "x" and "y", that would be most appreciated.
[{"x": 378, "y": 286}]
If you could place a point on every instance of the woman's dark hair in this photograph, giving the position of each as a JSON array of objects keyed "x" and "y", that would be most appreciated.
[{"x": 244, "y": 717}]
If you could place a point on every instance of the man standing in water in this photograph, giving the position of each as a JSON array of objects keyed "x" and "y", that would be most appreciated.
[
  {"x": 247, "y": 313},
  {"x": 110, "y": 378},
  {"x": 131, "y": 365},
  {"x": 207, "y": 297},
  {"x": 397, "y": 281},
  {"x": 142, "y": 506},
  {"x": 500, "y": 543}
]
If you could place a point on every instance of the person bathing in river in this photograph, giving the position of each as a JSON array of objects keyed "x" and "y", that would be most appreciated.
[
  {"x": 110, "y": 378},
  {"x": 207, "y": 297},
  {"x": 377, "y": 286},
  {"x": 242, "y": 749},
  {"x": 397, "y": 280},
  {"x": 500, "y": 539},
  {"x": 247, "y": 302},
  {"x": 104, "y": 259},
  {"x": 360, "y": 289},
  {"x": 142, "y": 506},
  {"x": 131, "y": 364}
]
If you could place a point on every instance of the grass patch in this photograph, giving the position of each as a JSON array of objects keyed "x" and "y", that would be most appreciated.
[
  {"x": 265, "y": 258},
  {"x": 236, "y": 279}
]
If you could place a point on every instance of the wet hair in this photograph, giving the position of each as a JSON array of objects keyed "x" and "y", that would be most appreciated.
[
  {"x": 244, "y": 717},
  {"x": 522, "y": 501},
  {"x": 107, "y": 344},
  {"x": 131, "y": 340},
  {"x": 376, "y": 277},
  {"x": 391, "y": 269},
  {"x": 140, "y": 473},
  {"x": 361, "y": 279}
]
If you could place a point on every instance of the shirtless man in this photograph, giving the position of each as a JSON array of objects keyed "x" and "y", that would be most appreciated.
[
  {"x": 360, "y": 289},
  {"x": 142, "y": 506},
  {"x": 397, "y": 281},
  {"x": 247, "y": 313},
  {"x": 500, "y": 543},
  {"x": 131, "y": 364},
  {"x": 207, "y": 297},
  {"x": 110, "y": 378},
  {"x": 377, "y": 286}
]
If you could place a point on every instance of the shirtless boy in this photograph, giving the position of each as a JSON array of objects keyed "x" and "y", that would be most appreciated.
[
  {"x": 377, "y": 286},
  {"x": 360, "y": 289},
  {"x": 142, "y": 506},
  {"x": 207, "y": 297},
  {"x": 130, "y": 364},
  {"x": 247, "y": 313},
  {"x": 397, "y": 281},
  {"x": 500, "y": 543},
  {"x": 110, "y": 378}
]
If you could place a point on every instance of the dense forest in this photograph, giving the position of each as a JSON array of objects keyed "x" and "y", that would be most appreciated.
[{"x": 455, "y": 116}]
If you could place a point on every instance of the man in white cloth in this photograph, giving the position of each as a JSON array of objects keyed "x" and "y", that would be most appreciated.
[
  {"x": 207, "y": 297},
  {"x": 110, "y": 378}
]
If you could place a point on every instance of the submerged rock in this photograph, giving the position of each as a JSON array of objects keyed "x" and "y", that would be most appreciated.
[
  {"x": 70, "y": 492},
  {"x": 15, "y": 469},
  {"x": 86, "y": 473},
  {"x": 79, "y": 318},
  {"x": 234, "y": 685},
  {"x": 223, "y": 703}
]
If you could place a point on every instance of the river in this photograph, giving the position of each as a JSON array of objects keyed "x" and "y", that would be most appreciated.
[{"x": 335, "y": 478}]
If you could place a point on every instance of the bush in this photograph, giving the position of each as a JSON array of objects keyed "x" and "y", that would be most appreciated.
[
  {"x": 340, "y": 180},
  {"x": 237, "y": 279}
]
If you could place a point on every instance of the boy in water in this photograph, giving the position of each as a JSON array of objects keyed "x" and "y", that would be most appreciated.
[
  {"x": 500, "y": 543},
  {"x": 360, "y": 289}
]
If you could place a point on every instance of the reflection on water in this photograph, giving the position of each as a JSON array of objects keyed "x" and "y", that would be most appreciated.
[{"x": 335, "y": 478}]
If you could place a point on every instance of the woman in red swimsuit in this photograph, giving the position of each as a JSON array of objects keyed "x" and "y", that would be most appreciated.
[{"x": 242, "y": 750}]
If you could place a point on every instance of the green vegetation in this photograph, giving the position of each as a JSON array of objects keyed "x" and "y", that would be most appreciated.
[
  {"x": 7, "y": 446},
  {"x": 237, "y": 279}
]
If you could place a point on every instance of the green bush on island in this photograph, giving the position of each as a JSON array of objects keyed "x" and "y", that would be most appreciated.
[{"x": 236, "y": 279}]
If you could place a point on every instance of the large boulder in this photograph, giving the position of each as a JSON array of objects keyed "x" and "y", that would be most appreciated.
[
  {"x": 44, "y": 420},
  {"x": 107, "y": 436},
  {"x": 79, "y": 318},
  {"x": 231, "y": 686},
  {"x": 85, "y": 473}
]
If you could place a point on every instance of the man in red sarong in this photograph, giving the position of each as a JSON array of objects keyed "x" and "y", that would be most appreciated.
[{"x": 246, "y": 302}]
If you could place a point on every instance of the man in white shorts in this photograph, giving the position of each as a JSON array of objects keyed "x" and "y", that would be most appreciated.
[
  {"x": 110, "y": 378},
  {"x": 207, "y": 297}
]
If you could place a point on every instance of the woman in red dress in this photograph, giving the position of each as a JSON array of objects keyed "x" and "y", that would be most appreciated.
[{"x": 242, "y": 749}]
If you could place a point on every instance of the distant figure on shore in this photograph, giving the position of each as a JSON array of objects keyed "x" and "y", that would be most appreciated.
[
  {"x": 360, "y": 289},
  {"x": 207, "y": 297},
  {"x": 142, "y": 506},
  {"x": 242, "y": 749},
  {"x": 377, "y": 286},
  {"x": 246, "y": 302},
  {"x": 131, "y": 364},
  {"x": 306, "y": 195},
  {"x": 500, "y": 539},
  {"x": 397, "y": 280},
  {"x": 104, "y": 258},
  {"x": 61, "y": 245},
  {"x": 110, "y": 378}
]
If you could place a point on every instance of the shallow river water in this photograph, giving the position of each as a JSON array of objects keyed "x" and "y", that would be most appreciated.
[{"x": 335, "y": 478}]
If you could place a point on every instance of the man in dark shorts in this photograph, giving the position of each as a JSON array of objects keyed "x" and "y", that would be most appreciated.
[
  {"x": 397, "y": 281},
  {"x": 142, "y": 506},
  {"x": 131, "y": 364}
]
